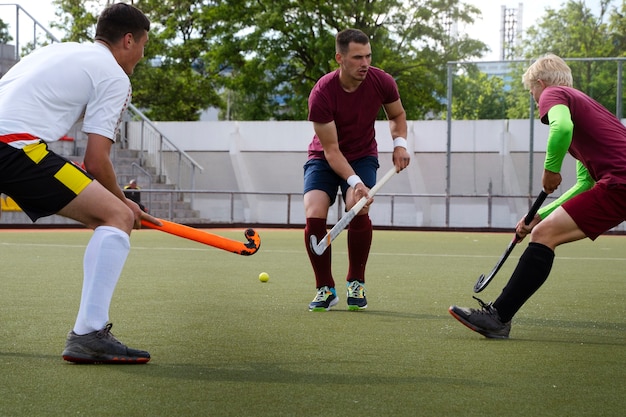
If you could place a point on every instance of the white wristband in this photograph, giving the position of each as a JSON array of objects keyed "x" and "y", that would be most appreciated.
[
  {"x": 353, "y": 180},
  {"x": 399, "y": 141}
]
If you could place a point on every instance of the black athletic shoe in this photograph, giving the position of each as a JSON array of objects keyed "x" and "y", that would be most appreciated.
[
  {"x": 101, "y": 347},
  {"x": 484, "y": 320}
]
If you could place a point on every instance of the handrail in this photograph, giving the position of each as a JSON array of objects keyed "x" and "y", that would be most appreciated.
[
  {"x": 145, "y": 119},
  {"x": 172, "y": 164},
  {"x": 36, "y": 24}
]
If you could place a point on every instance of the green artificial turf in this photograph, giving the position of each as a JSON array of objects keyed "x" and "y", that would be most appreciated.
[{"x": 225, "y": 344}]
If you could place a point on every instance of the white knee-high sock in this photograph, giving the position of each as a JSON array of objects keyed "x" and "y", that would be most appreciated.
[{"x": 104, "y": 259}]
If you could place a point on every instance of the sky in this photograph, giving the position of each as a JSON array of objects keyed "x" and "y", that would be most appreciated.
[{"x": 486, "y": 29}]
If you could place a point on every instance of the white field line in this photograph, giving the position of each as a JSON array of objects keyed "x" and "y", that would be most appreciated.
[{"x": 416, "y": 255}]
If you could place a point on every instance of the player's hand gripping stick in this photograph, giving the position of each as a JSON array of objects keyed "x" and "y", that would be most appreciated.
[{"x": 324, "y": 243}]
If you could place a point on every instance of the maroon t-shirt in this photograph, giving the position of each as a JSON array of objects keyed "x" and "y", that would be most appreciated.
[
  {"x": 599, "y": 138},
  {"x": 354, "y": 113}
]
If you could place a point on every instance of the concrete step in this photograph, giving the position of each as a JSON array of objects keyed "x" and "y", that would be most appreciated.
[{"x": 160, "y": 204}]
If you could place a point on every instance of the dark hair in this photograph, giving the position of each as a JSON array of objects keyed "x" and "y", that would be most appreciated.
[
  {"x": 119, "y": 19},
  {"x": 343, "y": 39}
]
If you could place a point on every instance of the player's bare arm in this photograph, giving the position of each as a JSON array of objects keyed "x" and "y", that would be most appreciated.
[{"x": 398, "y": 127}]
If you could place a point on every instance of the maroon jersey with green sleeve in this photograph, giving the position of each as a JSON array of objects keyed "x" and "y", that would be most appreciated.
[
  {"x": 599, "y": 138},
  {"x": 354, "y": 113}
]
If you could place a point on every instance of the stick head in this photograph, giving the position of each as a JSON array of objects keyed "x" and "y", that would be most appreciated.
[
  {"x": 478, "y": 287},
  {"x": 320, "y": 248},
  {"x": 313, "y": 244},
  {"x": 254, "y": 242}
]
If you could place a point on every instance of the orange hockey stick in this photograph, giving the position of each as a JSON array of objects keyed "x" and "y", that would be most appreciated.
[{"x": 220, "y": 242}]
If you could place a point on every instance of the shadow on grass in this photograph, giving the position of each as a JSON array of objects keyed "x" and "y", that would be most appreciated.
[
  {"x": 384, "y": 313},
  {"x": 253, "y": 372}
]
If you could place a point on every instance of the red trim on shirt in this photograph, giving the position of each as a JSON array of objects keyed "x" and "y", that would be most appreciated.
[{"x": 16, "y": 136}]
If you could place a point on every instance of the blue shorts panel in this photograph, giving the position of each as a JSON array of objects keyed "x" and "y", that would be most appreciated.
[
  {"x": 599, "y": 209},
  {"x": 318, "y": 175},
  {"x": 38, "y": 180}
]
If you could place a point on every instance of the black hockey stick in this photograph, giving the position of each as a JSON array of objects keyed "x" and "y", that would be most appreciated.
[{"x": 483, "y": 280}]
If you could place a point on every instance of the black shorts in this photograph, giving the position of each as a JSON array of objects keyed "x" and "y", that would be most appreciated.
[{"x": 40, "y": 181}]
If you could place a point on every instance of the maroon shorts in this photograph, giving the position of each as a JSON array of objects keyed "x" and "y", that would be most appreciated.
[{"x": 599, "y": 209}]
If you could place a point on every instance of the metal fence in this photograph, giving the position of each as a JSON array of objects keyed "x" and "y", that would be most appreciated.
[
  {"x": 172, "y": 164},
  {"x": 389, "y": 211}
]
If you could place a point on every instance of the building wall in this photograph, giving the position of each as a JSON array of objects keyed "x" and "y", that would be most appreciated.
[
  {"x": 7, "y": 58},
  {"x": 487, "y": 157}
]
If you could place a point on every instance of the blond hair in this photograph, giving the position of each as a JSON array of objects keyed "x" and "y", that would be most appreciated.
[{"x": 550, "y": 69}]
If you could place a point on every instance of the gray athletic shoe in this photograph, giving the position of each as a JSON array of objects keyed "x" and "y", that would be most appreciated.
[
  {"x": 484, "y": 320},
  {"x": 101, "y": 347},
  {"x": 325, "y": 298}
]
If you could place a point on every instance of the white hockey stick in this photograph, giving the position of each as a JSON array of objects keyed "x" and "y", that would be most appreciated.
[{"x": 325, "y": 242}]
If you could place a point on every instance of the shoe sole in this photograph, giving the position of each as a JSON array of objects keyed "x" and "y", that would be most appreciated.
[
  {"x": 474, "y": 328},
  {"x": 332, "y": 304},
  {"x": 113, "y": 360},
  {"x": 356, "y": 308}
]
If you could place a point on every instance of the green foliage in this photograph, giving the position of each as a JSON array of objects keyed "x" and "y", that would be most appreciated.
[
  {"x": 4, "y": 33},
  {"x": 617, "y": 29},
  {"x": 573, "y": 32},
  {"x": 478, "y": 96},
  {"x": 518, "y": 99},
  {"x": 258, "y": 60},
  {"x": 176, "y": 81},
  {"x": 78, "y": 18},
  {"x": 285, "y": 47}
]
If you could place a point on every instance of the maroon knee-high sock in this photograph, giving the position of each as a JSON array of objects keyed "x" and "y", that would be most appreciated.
[
  {"x": 321, "y": 263},
  {"x": 531, "y": 272},
  {"x": 359, "y": 243}
]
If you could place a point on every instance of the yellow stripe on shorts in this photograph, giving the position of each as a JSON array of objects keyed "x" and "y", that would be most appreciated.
[
  {"x": 36, "y": 151},
  {"x": 73, "y": 178}
]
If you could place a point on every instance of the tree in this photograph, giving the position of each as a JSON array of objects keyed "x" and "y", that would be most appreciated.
[
  {"x": 617, "y": 29},
  {"x": 4, "y": 33},
  {"x": 574, "y": 32},
  {"x": 259, "y": 59},
  {"x": 174, "y": 82},
  {"x": 478, "y": 96},
  {"x": 77, "y": 18},
  {"x": 165, "y": 83},
  {"x": 278, "y": 50}
]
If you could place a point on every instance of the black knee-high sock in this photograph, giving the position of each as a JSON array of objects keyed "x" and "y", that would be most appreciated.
[{"x": 531, "y": 272}]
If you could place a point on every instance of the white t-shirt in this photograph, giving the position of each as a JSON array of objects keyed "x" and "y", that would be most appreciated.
[{"x": 51, "y": 89}]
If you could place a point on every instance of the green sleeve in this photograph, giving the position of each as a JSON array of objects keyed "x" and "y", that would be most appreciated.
[
  {"x": 583, "y": 183},
  {"x": 559, "y": 138}
]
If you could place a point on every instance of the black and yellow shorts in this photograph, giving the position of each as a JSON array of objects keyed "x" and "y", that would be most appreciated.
[{"x": 40, "y": 181}]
